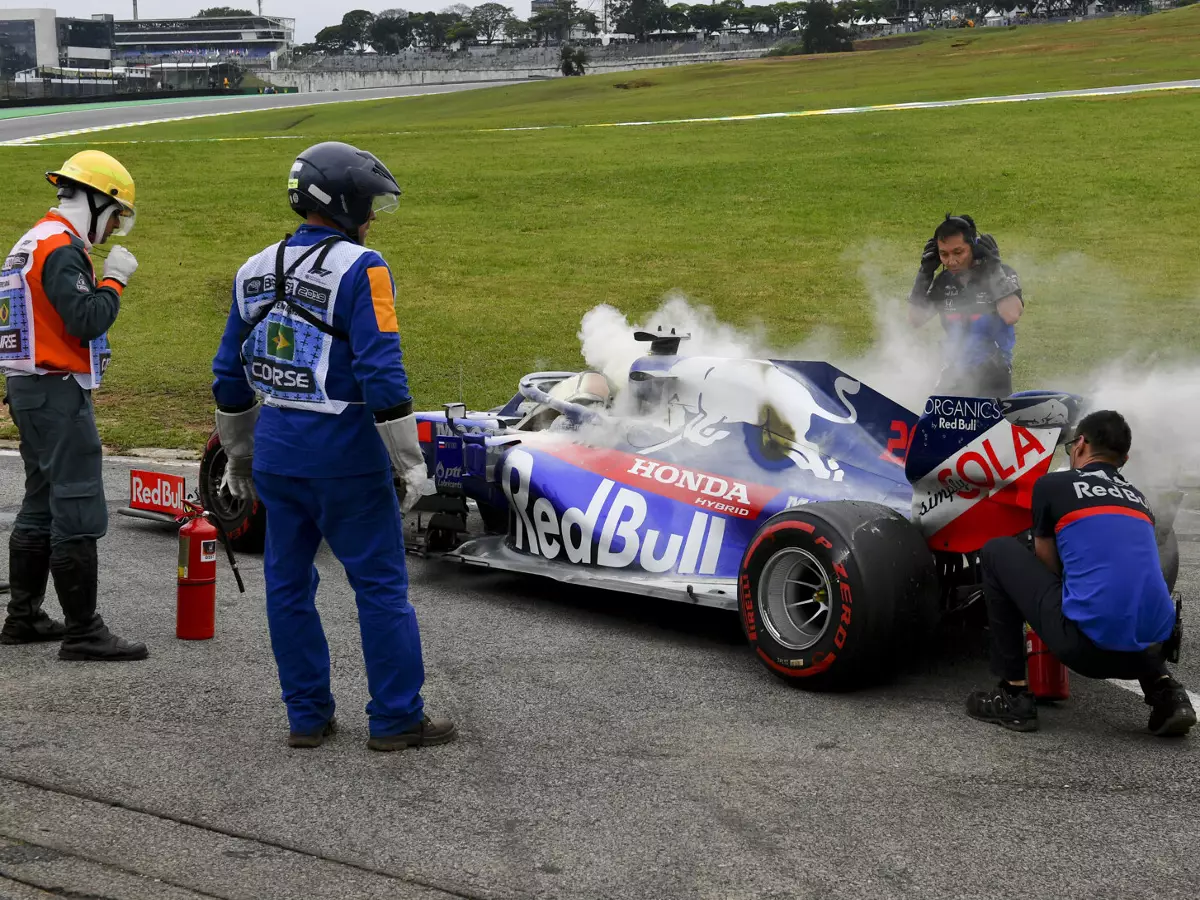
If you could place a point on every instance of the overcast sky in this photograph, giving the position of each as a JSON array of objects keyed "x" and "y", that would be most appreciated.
[{"x": 310, "y": 15}]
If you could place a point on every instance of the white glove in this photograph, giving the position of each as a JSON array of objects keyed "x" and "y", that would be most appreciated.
[
  {"x": 119, "y": 264},
  {"x": 416, "y": 484},
  {"x": 404, "y": 448},
  {"x": 236, "y": 431}
]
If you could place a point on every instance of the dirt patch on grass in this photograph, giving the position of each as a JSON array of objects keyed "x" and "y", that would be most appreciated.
[
  {"x": 634, "y": 85},
  {"x": 891, "y": 43}
]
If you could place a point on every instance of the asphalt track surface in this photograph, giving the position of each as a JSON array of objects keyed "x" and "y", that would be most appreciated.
[
  {"x": 610, "y": 747},
  {"x": 133, "y": 112}
]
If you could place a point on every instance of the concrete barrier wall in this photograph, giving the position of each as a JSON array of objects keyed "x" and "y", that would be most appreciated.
[{"x": 316, "y": 80}]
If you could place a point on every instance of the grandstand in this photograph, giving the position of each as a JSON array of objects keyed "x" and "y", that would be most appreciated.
[{"x": 246, "y": 37}]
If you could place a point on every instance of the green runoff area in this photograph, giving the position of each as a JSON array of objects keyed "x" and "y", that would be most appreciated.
[{"x": 504, "y": 239}]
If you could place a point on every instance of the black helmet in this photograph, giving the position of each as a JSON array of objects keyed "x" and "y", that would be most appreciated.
[{"x": 343, "y": 183}]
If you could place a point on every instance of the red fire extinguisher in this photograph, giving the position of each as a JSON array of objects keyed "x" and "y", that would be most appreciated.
[
  {"x": 1047, "y": 676},
  {"x": 196, "y": 589}
]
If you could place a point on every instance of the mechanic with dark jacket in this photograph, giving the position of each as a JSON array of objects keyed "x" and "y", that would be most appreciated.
[
  {"x": 54, "y": 318},
  {"x": 313, "y": 331},
  {"x": 979, "y": 300},
  {"x": 1092, "y": 588}
]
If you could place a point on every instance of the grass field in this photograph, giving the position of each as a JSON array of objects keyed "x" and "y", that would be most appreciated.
[{"x": 505, "y": 239}]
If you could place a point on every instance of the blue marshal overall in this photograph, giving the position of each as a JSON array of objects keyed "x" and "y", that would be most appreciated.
[{"x": 325, "y": 362}]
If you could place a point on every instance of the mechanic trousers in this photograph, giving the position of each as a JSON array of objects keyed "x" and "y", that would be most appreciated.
[
  {"x": 993, "y": 378},
  {"x": 64, "y": 487},
  {"x": 1018, "y": 588},
  {"x": 359, "y": 517}
]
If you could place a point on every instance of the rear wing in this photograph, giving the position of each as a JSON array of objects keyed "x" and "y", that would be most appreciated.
[{"x": 972, "y": 462}]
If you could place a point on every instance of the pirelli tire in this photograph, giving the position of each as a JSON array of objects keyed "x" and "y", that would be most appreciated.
[
  {"x": 244, "y": 522},
  {"x": 831, "y": 593}
]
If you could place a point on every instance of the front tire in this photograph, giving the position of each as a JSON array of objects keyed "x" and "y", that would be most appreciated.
[
  {"x": 831, "y": 593},
  {"x": 244, "y": 522}
]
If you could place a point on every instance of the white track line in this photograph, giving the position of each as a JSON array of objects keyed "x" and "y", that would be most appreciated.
[
  {"x": 1135, "y": 688},
  {"x": 1118, "y": 90}
]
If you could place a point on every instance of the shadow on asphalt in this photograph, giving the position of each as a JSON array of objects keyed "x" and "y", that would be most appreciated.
[{"x": 959, "y": 641}]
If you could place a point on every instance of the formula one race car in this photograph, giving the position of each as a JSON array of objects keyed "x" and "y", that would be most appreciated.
[{"x": 840, "y": 525}]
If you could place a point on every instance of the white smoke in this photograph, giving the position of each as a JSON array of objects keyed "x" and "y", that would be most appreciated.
[
  {"x": 1160, "y": 404},
  {"x": 608, "y": 345},
  {"x": 901, "y": 363},
  {"x": 1160, "y": 397}
]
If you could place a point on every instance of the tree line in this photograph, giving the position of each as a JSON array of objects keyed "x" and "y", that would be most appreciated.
[
  {"x": 819, "y": 22},
  {"x": 395, "y": 30}
]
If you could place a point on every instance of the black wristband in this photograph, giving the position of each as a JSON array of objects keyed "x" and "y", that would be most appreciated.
[
  {"x": 234, "y": 410},
  {"x": 399, "y": 411}
]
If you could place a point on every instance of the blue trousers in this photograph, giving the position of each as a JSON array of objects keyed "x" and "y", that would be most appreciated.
[{"x": 359, "y": 518}]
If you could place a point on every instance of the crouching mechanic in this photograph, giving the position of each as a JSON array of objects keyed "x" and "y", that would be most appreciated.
[
  {"x": 979, "y": 300},
  {"x": 1092, "y": 589},
  {"x": 54, "y": 320},
  {"x": 313, "y": 330}
]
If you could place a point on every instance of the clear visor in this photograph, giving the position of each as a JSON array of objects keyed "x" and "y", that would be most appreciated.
[
  {"x": 385, "y": 203},
  {"x": 125, "y": 221}
]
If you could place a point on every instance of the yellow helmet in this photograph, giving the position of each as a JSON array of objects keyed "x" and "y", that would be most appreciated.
[{"x": 97, "y": 170}]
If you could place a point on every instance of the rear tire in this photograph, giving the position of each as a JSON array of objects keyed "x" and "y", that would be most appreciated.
[
  {"x": 830, "y": 594},
  {"x": 244, "y": 522}
]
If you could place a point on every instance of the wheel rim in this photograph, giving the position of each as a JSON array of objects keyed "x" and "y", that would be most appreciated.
[
  {"x": 793, "y": 598},
  {"x": 224, "y": 505}
]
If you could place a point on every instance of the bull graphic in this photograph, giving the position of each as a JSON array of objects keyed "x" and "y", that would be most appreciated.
[
  {"x": 1049, "y": 413},
  {"x": 716, "y": 395}
]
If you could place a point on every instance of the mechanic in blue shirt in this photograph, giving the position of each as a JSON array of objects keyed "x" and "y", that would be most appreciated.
[
  {"x": 1092, "y": 588},
  {"x": 979, "y": 300},
  {"x": 313, "y": 330}
]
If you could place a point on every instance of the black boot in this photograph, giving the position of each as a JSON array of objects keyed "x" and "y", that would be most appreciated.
[
  {"x": 74, "y": 566},
  {"x": 1013, "y": 708},
  {"x": 28, "y": 572},
  {"x": 1171, "y": 712}
]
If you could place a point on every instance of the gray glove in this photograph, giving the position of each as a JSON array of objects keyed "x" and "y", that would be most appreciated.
[
  {"x": 119, "y": 264},
  {"x": 236, "y": 431},
  {"x": 404, "y": 448}
]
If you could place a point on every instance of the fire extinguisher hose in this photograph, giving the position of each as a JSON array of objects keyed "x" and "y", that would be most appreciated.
[
  {"x": 228, "y": 550},
  {"x": 193, "y": 510}
]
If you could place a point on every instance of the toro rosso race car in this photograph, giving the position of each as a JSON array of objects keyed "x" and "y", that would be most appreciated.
[{"x": 838, "y": 524}]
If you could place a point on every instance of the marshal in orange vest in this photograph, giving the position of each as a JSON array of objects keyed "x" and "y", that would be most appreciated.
[{"x": 33, "y": 337}]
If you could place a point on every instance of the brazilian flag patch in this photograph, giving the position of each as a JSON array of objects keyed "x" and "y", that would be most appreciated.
[
  {"x": 281, "y": 341},
  {"x": 5, "y": 310}
]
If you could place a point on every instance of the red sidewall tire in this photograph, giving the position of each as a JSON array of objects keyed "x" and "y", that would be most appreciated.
[
  {"x": 816, "y": 661},
  {"x": 881, "y": 578}
]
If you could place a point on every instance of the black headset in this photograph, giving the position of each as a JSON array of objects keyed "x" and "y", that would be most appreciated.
[{"x": 968, "y": 225}]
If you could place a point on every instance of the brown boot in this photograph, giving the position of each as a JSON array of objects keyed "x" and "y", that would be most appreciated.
[
  {"x": 307, "y": 740},
  {"x": 425, "y": 733}
]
